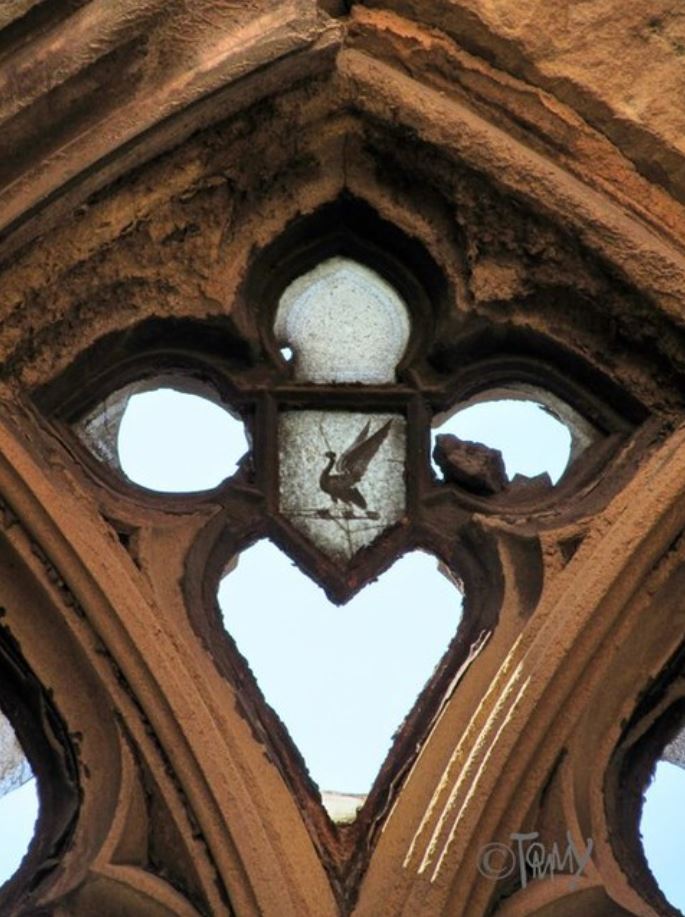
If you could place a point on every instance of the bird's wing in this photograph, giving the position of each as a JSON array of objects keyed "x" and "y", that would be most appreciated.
[
  {"x": 340, "y": 464},
  {"x": 356, "y": 459}
]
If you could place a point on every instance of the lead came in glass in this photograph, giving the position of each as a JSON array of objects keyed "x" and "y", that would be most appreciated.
[{"x": 341, "y": 476}]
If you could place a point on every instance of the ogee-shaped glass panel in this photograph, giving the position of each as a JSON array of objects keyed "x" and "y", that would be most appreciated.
[{"x": 344, "y": 323}]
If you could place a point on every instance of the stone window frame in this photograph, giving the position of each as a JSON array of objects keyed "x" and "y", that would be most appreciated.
[{"x": 240, "y": 366}]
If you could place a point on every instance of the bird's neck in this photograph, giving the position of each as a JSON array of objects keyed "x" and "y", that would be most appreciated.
[{"x": 325, "y": 474}]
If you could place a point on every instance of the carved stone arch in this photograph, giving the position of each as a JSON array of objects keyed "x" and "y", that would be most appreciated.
[
  {"x": 82, "y": 785},
  {"x": 210, "y": 226},
  {"x": 560, "y": 896},
  {"x": 637, "y": 711},
  {"x": 148, "y": 199},
  {"x": 72, "y": 742}
]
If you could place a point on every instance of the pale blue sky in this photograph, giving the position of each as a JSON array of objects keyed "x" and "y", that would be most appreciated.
[
  {"x": 662, "y": 830},
  {"x": 18, "y": 813},
  {"x": 342, "y": 679}
]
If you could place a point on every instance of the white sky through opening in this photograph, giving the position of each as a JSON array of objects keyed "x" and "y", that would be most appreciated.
[
  {"x": 173, "y": 442},
  {"x": 18, "y": 816},
  {"x": 661, "y": 826},
  {"x": 342, "y": 679},
  {"x": 530, "y": 439}
]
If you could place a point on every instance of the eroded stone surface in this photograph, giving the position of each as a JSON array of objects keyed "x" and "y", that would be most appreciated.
[
  {"x": 563, "y": 227},
  {"x": 622, "y": 67}
]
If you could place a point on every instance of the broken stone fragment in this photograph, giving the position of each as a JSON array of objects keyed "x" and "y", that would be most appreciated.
[
  {"x": 540, "y": 482},
  {"x": 473, "y": 466}
]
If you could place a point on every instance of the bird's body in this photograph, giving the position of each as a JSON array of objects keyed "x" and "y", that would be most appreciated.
[{"x": 351, "y": 465}]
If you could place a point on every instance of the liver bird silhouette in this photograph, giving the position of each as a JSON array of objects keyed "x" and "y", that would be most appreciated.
[{"x": 351, "y": 466}]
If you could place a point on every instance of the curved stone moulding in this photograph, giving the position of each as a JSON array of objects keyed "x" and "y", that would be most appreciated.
[
  {"x": 156, "y": 92},
  {"x": 630, "y": 716},
  {"x": 130, "y": 644},
  {"x": 72, "y": 742},
  {"x": 539, "y": 695},
  {"x": 135, "y": 891}
]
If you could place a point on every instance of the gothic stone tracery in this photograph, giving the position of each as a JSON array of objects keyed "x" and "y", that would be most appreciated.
[{"x": 165, "y": 167}]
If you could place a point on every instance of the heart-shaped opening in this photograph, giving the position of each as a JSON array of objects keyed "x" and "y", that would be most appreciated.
[{"x": 341, "y": 679}]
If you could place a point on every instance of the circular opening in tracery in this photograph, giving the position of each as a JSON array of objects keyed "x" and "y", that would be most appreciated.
[
  {"x": 514, "y": 437},
  {"x": 174, "y": 442}
]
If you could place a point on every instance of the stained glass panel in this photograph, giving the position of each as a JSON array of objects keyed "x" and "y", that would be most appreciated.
[{"x": 342, "y": 476}]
